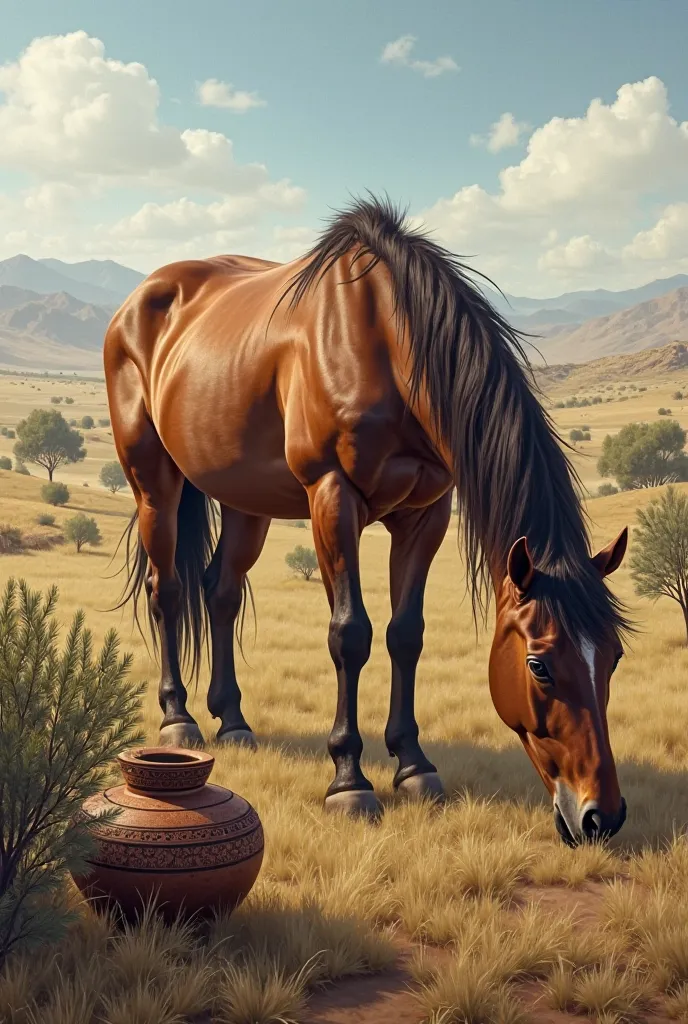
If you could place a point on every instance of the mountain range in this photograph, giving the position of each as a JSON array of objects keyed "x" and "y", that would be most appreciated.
[{"x": 53, "y": 315}]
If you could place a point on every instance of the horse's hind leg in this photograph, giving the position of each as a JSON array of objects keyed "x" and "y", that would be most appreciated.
[
  {"x": 338, "y": 516},
  {"x": 157, "y": 484},
  {"x": 224, "y": 582},
  {"x": 416, "y": 537}
]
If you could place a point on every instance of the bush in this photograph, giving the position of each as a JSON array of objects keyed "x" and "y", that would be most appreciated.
[
  {"x": 576, "y": 435},
  {"x": 662, "y": 411},
  {"x": 69, "y": 401},
  {"x": 584, "y": 426},
  {"x": 20, "y": 468},
  {"x": 3, "y": 431},
  {"x": 105, "y": 422},
  {"x": 45, "y": 519},
  {"x": 645, "y": 455},
  {"x": 87, "y": 422},
  {"x": 10, "y": 544},
  {"x": 11, "y": 433},
  {"x": 5, "y": 463},
  {"x": 112, "y": 476},
  {"x": 56, "y": 400},
  {"x": 82, "y": 530},
  {"x": 677, "y": 396},
  {"x": 55, "y": 494},
  {"x": 587, "y": 435},
  {"x": 302, "y": 560},
  {"x": 606, "y": 489},
  {"x": 64, "y": 715},
  {"x": 72, "y": 423}
]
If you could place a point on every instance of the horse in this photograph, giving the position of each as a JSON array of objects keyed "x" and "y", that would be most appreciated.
[{"x": 362, "y": 383}]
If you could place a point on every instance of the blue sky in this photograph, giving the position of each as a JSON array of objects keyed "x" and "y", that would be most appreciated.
[{"x": 595, "y": 200}]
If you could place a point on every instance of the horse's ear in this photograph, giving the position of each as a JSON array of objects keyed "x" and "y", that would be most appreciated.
[
  {"x": 611, "y": 557},
  {"x": 519, "y": 565}
]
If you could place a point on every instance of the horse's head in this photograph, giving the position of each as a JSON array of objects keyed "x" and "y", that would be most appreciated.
[{"x": 552, "y": 689}]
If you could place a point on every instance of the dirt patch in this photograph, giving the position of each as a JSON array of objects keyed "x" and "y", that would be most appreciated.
[{"x": 378, "y": 999}]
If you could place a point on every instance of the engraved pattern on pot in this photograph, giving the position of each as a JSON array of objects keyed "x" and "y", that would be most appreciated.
[
  {"x": 190, "y": 834},
  {"x": 181, "y": 858},
  {"x": 184, "y": 777}
]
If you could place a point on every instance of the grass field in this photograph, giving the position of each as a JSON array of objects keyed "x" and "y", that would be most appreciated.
[{"x": 476, "y": 912}]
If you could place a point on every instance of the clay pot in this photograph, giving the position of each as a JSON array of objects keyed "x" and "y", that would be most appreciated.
[{"x": 198, "y": 847}]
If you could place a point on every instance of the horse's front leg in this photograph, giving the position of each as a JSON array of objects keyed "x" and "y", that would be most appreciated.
[
  {"x": 338, "y": 517},
  {"x": 416, "y": 537}
]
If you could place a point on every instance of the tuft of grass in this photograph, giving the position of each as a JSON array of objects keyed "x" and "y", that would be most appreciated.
[{"x": 257, "y": 992}]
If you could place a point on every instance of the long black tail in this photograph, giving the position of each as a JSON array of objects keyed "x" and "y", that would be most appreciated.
[{"x": 196, "y": 540}]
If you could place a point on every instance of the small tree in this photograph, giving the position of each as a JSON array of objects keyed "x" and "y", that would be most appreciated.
[
  {"x": 112, "y": 476},
  {"x": 69, "y": 401},
  {"x": 87, "y": 422},
  {"x": 46, "y": 439},
  {"x": 645, "y": 455},
  {"x": 576, "y": 435},
  {"x": 677, "y": 396},
  {"x": 56, "y": 400},
  {"x": 5, "y": 463},
  {"x": 659, "y": 560},
  {"x": 606, "y": 489},
  {"x": 64, "y": 715},
  {"x": 302, "y": 560},
  {"x": 105, "y": 422},
  {"x": 82, "y": 530},
  {"x": 20, "y": 468},
  {"x": 55, "y": 494}
]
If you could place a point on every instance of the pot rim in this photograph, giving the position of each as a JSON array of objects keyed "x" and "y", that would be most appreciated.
[{"x": 164, "y": 758}]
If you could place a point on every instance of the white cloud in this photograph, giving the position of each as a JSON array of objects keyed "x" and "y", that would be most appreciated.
[
  {"x": 667, "y": 240},
  {"x": 580, "y": 253},
  {"x": 399, "y": 52},
  {"x": 213, "y": 93},
  {"x": 588, "y": 179},
  {"x": 86, "y": 127},
  {"x": 503, "y": 134},
  {"x": 71, "y": 113}
]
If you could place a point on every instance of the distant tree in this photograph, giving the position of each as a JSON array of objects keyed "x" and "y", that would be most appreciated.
[
  {"x": 576, "y": 435},
  {"x": 10, "y": 542},
  {"x": 11, "y": 434},
  {"x": 82, "y": 530},
  {"x": 45, "y": 519},
  {"x": 87, "y": 422},
  {"x": 586, "y": 436},
  {"x": 604, "y": 490},
  {"x": 3, "y": 431},
  {"x": 677, "y": 396},
  {"x": 112, "y": 476},
  {"x": 105, "y": 422},
  {"x": 663, "y": 412},
  {"x": 55, "y": 493},
  {"x": 73, "y": 423},
  {"x": 20, "y": 468},
  {"x": 56, "y": 400},
  {"x": 69, "y": 401},
  {"x": 302, "y": 560},
  {"x": 645, "y": 455},
  {"x": 659, "y": 560},
  {"x": 5, "y": 463},
  {"x": 46, "y": 438}
]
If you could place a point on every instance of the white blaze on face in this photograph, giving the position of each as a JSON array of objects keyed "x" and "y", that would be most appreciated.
[{"x": 587, "y": 653}]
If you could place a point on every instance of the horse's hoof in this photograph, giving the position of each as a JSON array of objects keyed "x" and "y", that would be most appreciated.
[
  {"x": 425, "y": 786},
  {"x": 354, "y": 802},
  {"x": 181, "y": 734},
  {"x": 237, "y": 738}
]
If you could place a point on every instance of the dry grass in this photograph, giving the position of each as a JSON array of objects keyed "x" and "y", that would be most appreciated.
[{"x": 337, "y": 895}]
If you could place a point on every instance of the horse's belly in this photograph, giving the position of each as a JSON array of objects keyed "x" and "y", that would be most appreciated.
[{"x": 264, "y": 488}]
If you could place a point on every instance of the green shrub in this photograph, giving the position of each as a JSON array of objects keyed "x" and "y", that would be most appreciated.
[
  {"x": 677, "y": 396},
  {"x": 20, "y": 468},
  {"x": 56, "y": 400},
  {"x": 105, "y": 422},
  {"x": 64, "y": 715},
  {"x": 10, "y": 544},
  {"x": 3, "y": 431},
  {"x": 11, "y": 433},
  {"x": 302, "y": 560},
  {"x": 5, "y": 462},
  {"x": 45, "y": 519},
  {"x": 87, "y": 422},
  {"x": 586, "y": 435},
  {"x": 575, "y": 435},
  {"x": 606, "y": 489},
  {"x": 55, "y": 494},
  {"x": 69, "y": 401},
  {"x": 82, "y": 530}
]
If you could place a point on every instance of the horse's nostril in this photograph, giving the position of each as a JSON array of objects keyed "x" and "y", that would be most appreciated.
[{"x": 591, "y": 825}]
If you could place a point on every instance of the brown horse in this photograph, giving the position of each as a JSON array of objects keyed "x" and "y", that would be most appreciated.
[{"x": 360, "y": 384}]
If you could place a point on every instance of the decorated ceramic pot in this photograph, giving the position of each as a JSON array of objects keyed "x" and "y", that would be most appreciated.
[{"x": 198, "y": 847}]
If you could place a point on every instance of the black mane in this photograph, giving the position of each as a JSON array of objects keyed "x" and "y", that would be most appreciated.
[{"x": 512, "y": 475}]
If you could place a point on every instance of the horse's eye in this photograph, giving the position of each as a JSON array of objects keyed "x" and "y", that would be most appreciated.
[{"x": 539, "y": 670}]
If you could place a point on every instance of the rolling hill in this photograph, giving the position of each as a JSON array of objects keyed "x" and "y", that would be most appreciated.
[
  {"x": 105, "y": 283},
  {"x": 56, "y": 331}
]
